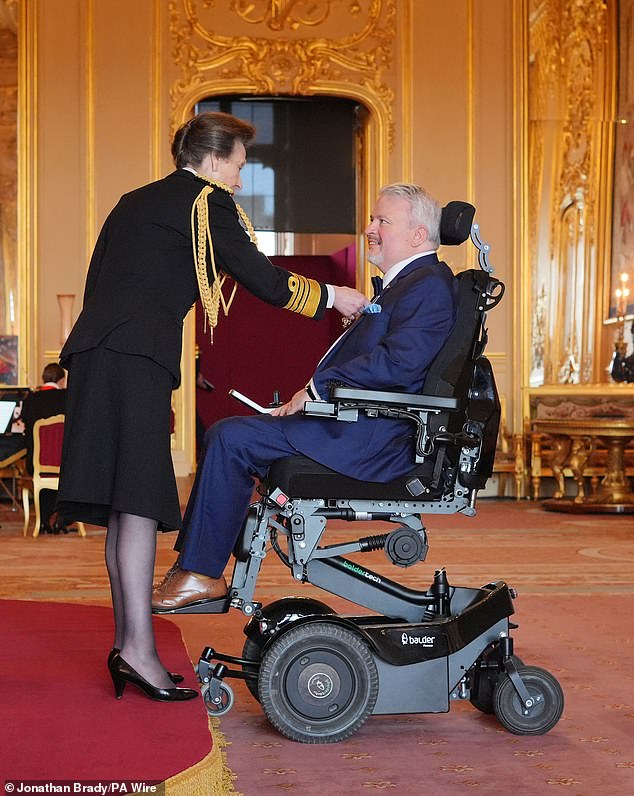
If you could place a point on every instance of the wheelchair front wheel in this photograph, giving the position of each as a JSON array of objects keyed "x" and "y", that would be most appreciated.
[
  {"x": 547, "y": 697},
  {"x": 485, "y": 682},
  {"x": 224, "y": 703},
  {"x": 318, "y": 683},
  {"x": 277, "y": 616}
]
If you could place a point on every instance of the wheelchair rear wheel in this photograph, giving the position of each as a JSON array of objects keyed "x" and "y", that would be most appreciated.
[
  {"x": 276, "y": 615},
  {"x": 318, "y": 683},
  {"x": 547, "y": 696}
]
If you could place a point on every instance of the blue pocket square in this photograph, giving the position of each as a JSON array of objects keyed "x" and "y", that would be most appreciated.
[{"x": 372, "y": 309}]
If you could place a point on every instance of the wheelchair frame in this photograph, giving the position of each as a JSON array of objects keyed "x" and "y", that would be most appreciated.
[{"x": 319, "y": 675}]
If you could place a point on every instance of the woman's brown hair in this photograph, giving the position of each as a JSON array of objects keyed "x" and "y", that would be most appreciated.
[{"x": 211, "y": 131}]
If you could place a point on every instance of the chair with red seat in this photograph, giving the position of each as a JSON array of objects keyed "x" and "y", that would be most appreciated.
[{"x": 48, "y": 435}]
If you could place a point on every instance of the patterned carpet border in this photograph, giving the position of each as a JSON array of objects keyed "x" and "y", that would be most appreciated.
[{"x": 211, "y": 776}]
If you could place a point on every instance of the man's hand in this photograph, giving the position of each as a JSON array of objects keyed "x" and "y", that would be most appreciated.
[
  {"x": 295, "y": 405},
  {"x": 349, "y": 302}
]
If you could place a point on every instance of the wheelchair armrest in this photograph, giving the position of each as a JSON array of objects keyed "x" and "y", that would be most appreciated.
[
  {"x": 346, "y": 403},
  {"x": 429, "y": 402}
]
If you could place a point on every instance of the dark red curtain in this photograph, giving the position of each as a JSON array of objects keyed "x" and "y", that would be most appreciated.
[{"x": 258, "y": 348}]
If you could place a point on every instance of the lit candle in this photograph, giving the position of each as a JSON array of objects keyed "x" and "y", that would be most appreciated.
[{"x": 622, "y": 295}]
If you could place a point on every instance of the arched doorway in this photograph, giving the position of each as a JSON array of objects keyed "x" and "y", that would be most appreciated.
[{"x": 302, "y": 185}]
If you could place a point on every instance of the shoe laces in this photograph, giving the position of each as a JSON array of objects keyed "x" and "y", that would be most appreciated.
[{"x": 168, "y": 575}]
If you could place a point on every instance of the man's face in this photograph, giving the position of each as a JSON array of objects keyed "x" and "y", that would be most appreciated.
[{"x": 390, "y": 234}]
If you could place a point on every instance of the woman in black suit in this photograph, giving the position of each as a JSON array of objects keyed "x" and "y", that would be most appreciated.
[{"x": 160, "y": 246}]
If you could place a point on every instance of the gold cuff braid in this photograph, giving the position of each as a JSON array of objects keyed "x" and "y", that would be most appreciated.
[{"x": 305, "y": 295}]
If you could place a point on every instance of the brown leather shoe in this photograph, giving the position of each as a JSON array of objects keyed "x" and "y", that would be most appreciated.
[
  {"x": 174, "y": 568},
  {"x": 184, "y": 588}
]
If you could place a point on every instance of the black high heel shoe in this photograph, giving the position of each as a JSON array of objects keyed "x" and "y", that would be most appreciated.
[
  {"x": 122, "y": 673},
  {"x": 175, "y": 678}
]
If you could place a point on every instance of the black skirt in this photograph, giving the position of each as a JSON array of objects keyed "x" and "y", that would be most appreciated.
[{"x": 116, "y": 454}]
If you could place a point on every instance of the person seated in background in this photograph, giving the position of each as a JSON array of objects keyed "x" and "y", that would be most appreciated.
[
  {"x": 390, "y": 346},
  {"x": 47, "y": 400}
]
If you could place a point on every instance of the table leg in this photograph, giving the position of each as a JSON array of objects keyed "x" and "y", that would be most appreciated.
[
  {"x": 582, "y": 447},
  {"x": 614, "y": 489},
  {"x": 561, "y": 448}
]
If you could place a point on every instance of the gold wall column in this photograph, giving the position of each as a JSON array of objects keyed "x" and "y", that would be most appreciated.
[
  {"x": 27, "y": 188},
  {"x": 570, "y": 101}
]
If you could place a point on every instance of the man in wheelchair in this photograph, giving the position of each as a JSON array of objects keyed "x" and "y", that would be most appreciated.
[
  {"x": 389, "y": 347},
  {"x": 400, "y": 419}
]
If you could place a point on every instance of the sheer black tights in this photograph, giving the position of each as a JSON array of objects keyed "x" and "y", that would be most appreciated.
[{"x": 130, "y": 555}]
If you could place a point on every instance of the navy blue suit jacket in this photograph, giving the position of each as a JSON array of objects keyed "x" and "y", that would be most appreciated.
[{"x": 392, "y": 351}]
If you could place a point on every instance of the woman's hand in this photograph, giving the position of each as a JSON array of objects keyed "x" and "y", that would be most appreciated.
[
  {"x": 348, "y": 301},
  {"x": 295, "y": 405}
]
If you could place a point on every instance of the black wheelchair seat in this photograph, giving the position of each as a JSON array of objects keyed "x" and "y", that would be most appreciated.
[{"x": 306, "y": 478}]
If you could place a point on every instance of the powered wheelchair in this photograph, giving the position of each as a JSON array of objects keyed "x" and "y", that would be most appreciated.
[{"x": 319, "y": 675}]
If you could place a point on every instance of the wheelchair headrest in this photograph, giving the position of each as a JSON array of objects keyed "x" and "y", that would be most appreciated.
[{"x": 455, "y": 223}]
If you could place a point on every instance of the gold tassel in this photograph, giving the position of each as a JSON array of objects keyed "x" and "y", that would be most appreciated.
[
  {"x": 305, "y": 292},
  {"x": 211, "y": 296}
]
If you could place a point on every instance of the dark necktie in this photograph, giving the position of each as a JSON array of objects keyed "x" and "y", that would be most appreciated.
[{"x": 377, "y": 286}]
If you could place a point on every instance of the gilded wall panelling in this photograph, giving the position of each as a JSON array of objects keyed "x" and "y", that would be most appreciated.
[
  {"x": 89, "y": 121},
  {"x": 27, "y": 189},
  {"x": 305, "y": 55},
  {"x": 571, "y": 85},
  {"x": 521, "y": 317},
  {"x": 9, "y": 277}
]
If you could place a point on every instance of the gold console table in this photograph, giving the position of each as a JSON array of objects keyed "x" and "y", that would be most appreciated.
[
  {"x": 573, "y": 442},
  {"x": 583, "y": 431}
]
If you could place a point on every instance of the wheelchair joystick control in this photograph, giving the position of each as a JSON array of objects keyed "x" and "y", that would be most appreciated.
[{"x": 277, "y": 401}]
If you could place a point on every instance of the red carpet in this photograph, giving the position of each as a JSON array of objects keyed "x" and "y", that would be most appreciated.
[{"x": 60, "y": 719}]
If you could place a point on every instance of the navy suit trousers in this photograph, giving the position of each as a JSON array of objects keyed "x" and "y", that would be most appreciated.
[{"x": 236, "y": 451}]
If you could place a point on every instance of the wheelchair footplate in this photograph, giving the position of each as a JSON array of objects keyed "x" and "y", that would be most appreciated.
[{"x": 220, "y": 605}]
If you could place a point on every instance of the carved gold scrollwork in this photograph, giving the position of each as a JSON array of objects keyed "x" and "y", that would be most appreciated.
[
  {"x": 352, "y": 65},
  {"x": 275, "y": 14}
]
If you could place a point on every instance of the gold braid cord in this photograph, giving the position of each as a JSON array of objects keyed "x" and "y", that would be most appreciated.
[
  {"x": 305, "y": 293},
  {"x": 210, "y": 295}
]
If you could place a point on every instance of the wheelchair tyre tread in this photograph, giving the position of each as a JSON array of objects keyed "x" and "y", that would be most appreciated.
[
  {"x": 318, "y": 683},
  {"x": 541, "y": 685}
]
